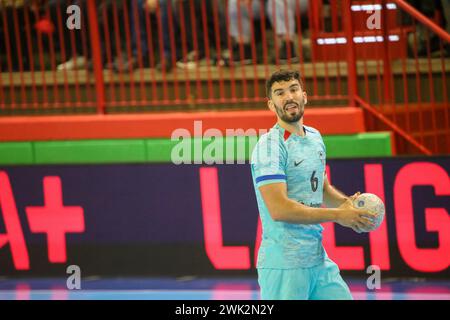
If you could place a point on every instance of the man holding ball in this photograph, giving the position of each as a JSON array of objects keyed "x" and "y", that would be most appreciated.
[{"x": 288, "y": 170}]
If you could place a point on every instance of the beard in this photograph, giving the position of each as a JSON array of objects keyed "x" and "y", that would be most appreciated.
[{"x": 291, "y": 116}]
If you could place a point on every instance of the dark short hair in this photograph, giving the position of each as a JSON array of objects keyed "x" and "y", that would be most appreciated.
[{"x": 282, "y": 75}]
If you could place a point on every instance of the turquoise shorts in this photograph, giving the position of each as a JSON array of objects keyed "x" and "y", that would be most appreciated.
[{"x": 322, "y": 282}]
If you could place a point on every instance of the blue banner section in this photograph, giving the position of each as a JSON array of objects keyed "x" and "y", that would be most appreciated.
[{"x": 53, "y": 215}]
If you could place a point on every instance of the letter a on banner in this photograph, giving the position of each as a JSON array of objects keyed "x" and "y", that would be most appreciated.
[{"x": 14, "y": 233}]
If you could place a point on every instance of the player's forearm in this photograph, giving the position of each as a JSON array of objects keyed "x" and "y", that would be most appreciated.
[
  {"x": 294, "y": 212},
  {"x": 333, "y": 198}
]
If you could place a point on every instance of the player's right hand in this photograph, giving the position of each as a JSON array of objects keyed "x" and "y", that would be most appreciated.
[{"x": 357, "y": 219}]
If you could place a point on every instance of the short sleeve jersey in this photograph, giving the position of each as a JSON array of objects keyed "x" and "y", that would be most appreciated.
[{"x": 300, "y": 163}]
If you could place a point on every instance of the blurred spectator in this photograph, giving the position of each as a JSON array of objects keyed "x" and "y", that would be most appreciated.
[
  {"x": 419, "y": 40},
  {"x": 123, "y": 58},
  {"x": 212, "y": 9},
  {"x": 74, "y": 51},
  {"x": 175, "y": 17},
  {"x": 446, "y": 11},
  {"x": 281, "y": 14},
  {"x": 13, "y": 13},
  {"x": 135, "y": 10},
  {"x": 446, "y": 15},
  {"x": 163, "y": 9}
]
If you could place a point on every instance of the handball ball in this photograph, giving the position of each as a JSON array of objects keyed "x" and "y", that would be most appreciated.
[{"x": 373, "y": 204}]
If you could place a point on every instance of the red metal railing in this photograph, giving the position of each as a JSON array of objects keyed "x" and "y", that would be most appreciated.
[
  {"x": 134, "y": 59},
  {"x": 412, "y": 88},
  {"x": 384, "y": 64},
  {"x": 118, "y": 31}
]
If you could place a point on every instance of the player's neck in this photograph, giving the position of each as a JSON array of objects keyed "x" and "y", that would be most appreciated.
[{"x": 294, "y": 127}]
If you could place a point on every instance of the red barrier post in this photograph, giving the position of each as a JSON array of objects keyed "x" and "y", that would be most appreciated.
[
  {"x": 96, "y": 56},
  {"x": 386, "y": 61},
  {"x": 351, "y": 54}
]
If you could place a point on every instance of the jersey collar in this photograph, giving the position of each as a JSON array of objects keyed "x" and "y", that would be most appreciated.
[{"x": 286, "y": 134}]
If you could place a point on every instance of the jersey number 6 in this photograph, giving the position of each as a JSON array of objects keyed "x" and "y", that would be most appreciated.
[{"x": 314, "y": 182}]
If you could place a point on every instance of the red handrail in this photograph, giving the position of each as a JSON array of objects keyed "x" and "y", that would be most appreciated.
[{"x": 365, "y": 105}]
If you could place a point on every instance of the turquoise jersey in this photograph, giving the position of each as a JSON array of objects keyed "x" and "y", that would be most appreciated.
[{"x": 300, "y": 163}]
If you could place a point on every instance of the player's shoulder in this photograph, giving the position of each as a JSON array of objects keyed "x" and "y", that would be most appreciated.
[
  {"x": 274, "y": 135},
  {"x": 312, "y": 130},
  {"x": 315, "y": 135},
  {"x": 268, "y": 143}
]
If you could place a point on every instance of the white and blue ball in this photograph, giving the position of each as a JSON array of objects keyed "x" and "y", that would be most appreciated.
[{"x": 373, "y": 204}]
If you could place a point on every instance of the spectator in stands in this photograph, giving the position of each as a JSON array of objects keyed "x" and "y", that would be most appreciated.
[
  {"x": 163, "y": 9},
  {"x": 281, "y": 14},
  {"x": 139, "y": 48},
  {"x": 75, "y": 50},
  {"x": 446, "y": 13},
  {"x": 192, "y": 59},
  {"x": 170, "y": 12},
  {"x": 122, "y": 61},
  {"x": 14, "y": 14},
  {"x": 419, "y": 40}
]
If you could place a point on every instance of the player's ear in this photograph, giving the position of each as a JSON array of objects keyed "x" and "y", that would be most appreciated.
[
  {"x": 305, "y": 97},
  {"x": 270, "y": 105}
]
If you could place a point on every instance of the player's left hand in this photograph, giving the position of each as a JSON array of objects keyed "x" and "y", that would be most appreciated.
[
  {"x": 356, "y": 195},
  {"x": 353, "y": 198}
]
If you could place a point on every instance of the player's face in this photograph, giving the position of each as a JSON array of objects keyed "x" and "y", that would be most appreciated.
[{"x": 288, "y": 100}]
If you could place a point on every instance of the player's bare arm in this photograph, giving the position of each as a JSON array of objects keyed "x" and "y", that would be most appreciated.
[
  {"x": 332, "y": 197},
  {"x": 281, "y": 208}
]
